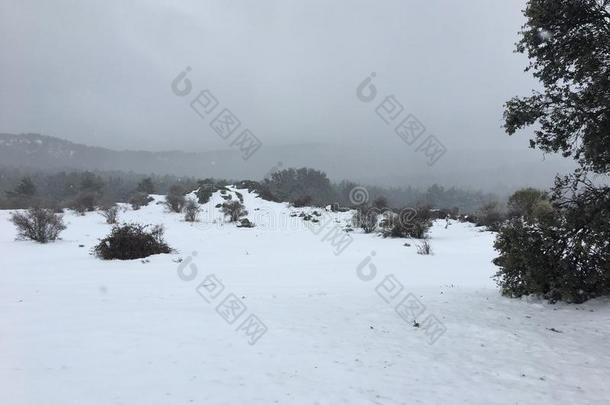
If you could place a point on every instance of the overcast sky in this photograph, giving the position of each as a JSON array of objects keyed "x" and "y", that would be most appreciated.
[{"x": 99, "y": 72}]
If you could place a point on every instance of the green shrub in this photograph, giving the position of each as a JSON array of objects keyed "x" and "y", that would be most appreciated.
[
  {"x": 523, "y": 202},
  {"x": 208, "y": 187},
  {"x": 262, "y": 190},
  {"x": 550, "y": 260},
  {"x": 302, "y": 201},
  {"x": 131, "y": 241},
  {"x": 245, "y": 223},
  {"x": 204, "y": 193}
]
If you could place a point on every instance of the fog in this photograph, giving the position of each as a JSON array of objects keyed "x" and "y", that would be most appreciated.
[{"x": 100, "y": 73}]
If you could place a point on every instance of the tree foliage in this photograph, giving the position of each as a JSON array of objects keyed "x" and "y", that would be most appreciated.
[
  {"x": 292, "y": 184},
  {"x": 568, "y": 44},
  {"x": 146, "y": 186},
  {"x": 560, "y": 248}
]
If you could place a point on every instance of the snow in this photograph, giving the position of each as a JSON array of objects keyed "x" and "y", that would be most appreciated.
[{"x": 75, "y": 329}]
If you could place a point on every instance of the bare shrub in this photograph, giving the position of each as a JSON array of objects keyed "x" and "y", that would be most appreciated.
[
  {"x": 366, "y": 218},
  {"x": 424, "y": 248},
  {"x": 39, "y": 224},
  {"x": 84, "y": 202},
  {"x": 234, "y": 210},
  {"x": 191, "y": 210},
  {"x": 491, "y": 216},
  {"x": 110, "y": 214}
]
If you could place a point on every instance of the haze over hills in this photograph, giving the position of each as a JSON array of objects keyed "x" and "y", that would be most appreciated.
[{"x": 494, "y": 171}]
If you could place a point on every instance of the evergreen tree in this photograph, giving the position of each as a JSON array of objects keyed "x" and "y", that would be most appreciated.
[
  {"x": 24, "y": 189},
  {"x": 146, "y": 186},
  {"x": 565, "y": 254},
  {"x": 568, "y": 44}
]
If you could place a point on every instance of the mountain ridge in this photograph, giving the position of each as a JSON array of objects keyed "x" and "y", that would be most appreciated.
[{"x": 506, "y": 171}]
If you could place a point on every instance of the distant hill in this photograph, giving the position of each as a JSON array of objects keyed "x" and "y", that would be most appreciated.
[
  {"x": 50, "y": 153},
  {"x": 498, "y": 171}
]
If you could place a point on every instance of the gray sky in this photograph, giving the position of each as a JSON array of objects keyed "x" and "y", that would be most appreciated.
[{"x": 99, "y": 72}]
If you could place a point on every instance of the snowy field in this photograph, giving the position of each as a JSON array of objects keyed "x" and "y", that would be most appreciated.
[{"x": 296, "y": 323}]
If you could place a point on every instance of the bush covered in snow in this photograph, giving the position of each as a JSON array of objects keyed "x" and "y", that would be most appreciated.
[
  {"x": 245, "y": 223},
  {"x": 204, "y": 192},
  {"x": 39, "y": 224},
  {"x": 366, "y": 218},
  {"x": 234, "y": 210},
  {"x": 261, "y": 189},
  {"x": 424, "y": 248},
  {"x": 409, "y": 223},
  {"x": 564, "y": 255},
  {"x": 131, "y": 241},
  {"x": 208, "y": 187},
  {"x": 191, "y": 210}
]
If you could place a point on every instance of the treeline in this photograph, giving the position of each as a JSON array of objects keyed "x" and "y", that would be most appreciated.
[
  {"x": 22, "y": 188},
  {"x": 307, "y": 186}
]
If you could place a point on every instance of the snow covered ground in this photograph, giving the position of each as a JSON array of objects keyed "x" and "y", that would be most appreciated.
[{"x": 304, "y": 325}]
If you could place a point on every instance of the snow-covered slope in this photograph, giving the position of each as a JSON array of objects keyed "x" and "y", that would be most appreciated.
[{"x": 78, "y": 330}]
